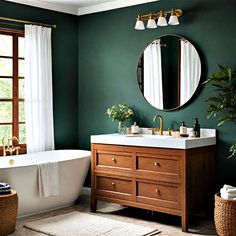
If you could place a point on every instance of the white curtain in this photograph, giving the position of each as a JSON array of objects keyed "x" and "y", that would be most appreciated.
[
  {"x": 153, "y": 75},
  {"x": 38, "y": 89},
  {"x": 190, "y": 71}
]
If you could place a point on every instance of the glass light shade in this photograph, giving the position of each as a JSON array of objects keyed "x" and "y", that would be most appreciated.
[
  {"x": 139, "y": 25},
  {"x": 162, "y": 21},
  {"x": 173, "y": 20},
  {"x": 151, "y": 24}
]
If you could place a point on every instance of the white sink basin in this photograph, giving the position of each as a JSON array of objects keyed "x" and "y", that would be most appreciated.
[{"x": 208, "y": 137}]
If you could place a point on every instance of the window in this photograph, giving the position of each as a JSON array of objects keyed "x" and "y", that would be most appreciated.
[{"x": 12, "y": 115}]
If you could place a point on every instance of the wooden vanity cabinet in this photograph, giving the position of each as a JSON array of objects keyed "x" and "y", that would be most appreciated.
[{"x": 173, "y": 181}]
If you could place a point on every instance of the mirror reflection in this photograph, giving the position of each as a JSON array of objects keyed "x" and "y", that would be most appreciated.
[{"x": 169, "y": 72}]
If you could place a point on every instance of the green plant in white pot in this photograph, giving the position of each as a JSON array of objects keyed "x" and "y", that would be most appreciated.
[{"x": 223, "y": 103}]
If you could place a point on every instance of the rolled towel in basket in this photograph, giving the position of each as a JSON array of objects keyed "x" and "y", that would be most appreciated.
[
  {"x": 228, "y": 192},
  {"x": 3, "y": 184},
  {"x": 227, "y": 187},
  {"x": 5, "y": 188},
  {"x": 5, "y": 191},
  {"x": 228, "y": 196},
  {"x": 231, "y": 191}
]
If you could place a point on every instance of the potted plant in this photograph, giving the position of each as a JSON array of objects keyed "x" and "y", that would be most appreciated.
[
  {"x": 121, "y": 113},
  {"x": 223, "y": 103},
  {"x": 223, "y": 106}
]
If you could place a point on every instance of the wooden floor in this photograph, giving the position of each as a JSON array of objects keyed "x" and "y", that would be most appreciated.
[{"x": 169, "y": 225}]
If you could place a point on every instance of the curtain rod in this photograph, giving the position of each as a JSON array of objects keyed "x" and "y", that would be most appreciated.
[{"x": 27, "y": 22}]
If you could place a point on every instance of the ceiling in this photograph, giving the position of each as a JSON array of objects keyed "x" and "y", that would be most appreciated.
[{"x": 81, "y": 7}]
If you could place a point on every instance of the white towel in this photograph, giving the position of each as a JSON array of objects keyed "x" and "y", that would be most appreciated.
[
  {"x": 48, "y": 179},
  {"x": 228, "y": 192},
  {"x": 226, "y": 187},
  {"x": 232, "y": 190},
  {"x": 228, "y": 196}
]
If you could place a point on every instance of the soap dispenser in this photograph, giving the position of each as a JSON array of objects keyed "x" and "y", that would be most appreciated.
[
  {"x": 183, "y": 129},
  {"x": 196, "y": 128},
  {"x": 134, "y": 128}
]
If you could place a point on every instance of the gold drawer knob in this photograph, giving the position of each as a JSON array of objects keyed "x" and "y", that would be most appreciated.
[
  {"x": 157, "y": 164},
  {"x": 113, "y": 184},
  {"x": 158, "y": 191},
  {"x": 114, "y": 160}
]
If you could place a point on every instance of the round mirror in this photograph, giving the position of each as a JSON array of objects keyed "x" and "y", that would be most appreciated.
[{"x": 168, "y": 72}]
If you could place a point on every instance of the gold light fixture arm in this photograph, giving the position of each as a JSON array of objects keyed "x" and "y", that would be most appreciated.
[{"x": 178, "y": 12}]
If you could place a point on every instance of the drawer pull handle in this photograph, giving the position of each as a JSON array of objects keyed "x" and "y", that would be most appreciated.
[
  {"x": 157, "y": 164},
  {"x": 113, "y": 184},
  {"x": 158, "y": 191},
  {"x": 114, "y": 160}
]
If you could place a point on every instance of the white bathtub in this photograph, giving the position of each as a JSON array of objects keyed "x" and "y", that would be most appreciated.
[{"x": 23, "y": 177}]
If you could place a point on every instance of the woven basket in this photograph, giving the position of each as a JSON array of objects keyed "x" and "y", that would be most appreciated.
[
  {"x": 8, "y": 213},
  {"x": 225, "y": 216}
]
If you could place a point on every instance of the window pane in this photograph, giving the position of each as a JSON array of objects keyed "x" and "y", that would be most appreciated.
[
  {"x": 21, "y": 88},
  {"x": 5, "y": 88},
  {"x": 5, "y": 67},
  {"x": 6, "y": 45},
  {"x": 5, "y": 112},
  {"x": 5, "y": 131},
  {"x": 22, "y": 135},
  {"x": 21, "y": 68},
  {"x": 21, "y": 112},
  {"x": 21, "y": 47}
]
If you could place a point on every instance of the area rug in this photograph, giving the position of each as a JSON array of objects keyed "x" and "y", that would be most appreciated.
[{"x": 82, "y": 224}]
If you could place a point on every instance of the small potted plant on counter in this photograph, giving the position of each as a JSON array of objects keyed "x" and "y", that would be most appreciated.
[{"x": 121, "y": 113}]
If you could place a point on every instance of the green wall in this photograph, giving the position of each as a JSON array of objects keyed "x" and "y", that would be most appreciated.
[
  {"x": 109, "y": 49},
  {"x": 65, "y": 66}
]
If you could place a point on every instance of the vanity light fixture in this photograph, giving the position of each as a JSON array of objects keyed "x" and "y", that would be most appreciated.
[{"x": 160, "y": 17}]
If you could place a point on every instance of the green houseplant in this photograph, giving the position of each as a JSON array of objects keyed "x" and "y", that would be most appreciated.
[
  {"x": 223, "y": 103},
  {"x": 121, "y": 113}
]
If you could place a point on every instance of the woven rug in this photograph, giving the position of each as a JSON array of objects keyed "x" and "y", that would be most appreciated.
[{"x": 82, "y": 224}]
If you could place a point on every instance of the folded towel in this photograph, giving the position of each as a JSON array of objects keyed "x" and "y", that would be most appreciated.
[
  {"x": 226, "y": 187},
  {"x": 3, "y": 184},
  {"x": 7, "y": 191},
  {"x": 48, "y": 179},
  {"x": 232, "y": 190},
  {"x": 228, "y": 196},
  {"x": 5, "y": 188},
  {"x": 228, "y": 192}
]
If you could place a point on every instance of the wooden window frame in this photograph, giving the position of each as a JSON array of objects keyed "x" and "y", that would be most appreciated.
[{"x": 15, "y": 80}]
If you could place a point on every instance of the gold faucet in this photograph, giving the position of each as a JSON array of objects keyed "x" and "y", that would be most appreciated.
[
  {"x": 161, "y": 123},
  {"x": 10, "y": 147}
]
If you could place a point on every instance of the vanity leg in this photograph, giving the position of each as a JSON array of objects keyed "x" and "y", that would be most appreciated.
[
  {"x": 184, "y": 222},
  {"x": 93, "y": 205}
]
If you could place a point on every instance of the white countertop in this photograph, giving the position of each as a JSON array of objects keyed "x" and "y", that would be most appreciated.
[{"x": 208, "y": 137}]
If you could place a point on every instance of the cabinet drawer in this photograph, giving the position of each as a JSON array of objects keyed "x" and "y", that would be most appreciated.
[
  {"x": 159, "y": 194},
  {"x": 161, "y": 168},
  {"x": 114, "y": 160},
  {"x": 113, "y": 184}
]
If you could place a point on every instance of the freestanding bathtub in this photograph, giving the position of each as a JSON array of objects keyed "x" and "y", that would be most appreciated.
[{"x": 23, "y": 177}]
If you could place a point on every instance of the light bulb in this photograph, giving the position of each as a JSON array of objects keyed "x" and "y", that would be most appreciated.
[
  {"x": 139, "y": 24},
  {"x": 173, "y": 20},
  {"x": 151, "y": 24},
  {"x": 162, "y": 20}
]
